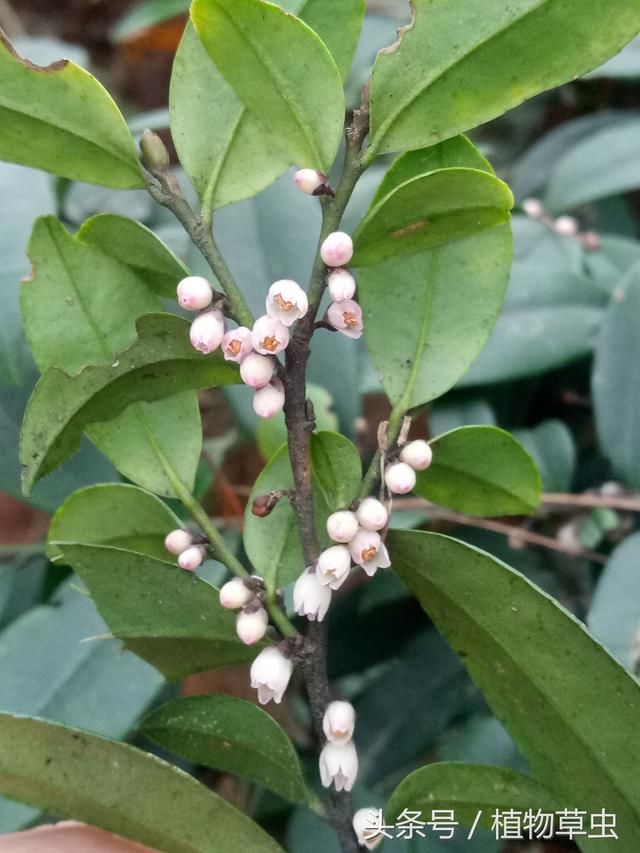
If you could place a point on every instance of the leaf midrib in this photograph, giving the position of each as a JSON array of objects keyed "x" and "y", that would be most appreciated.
[{"x": 477, "y": 479}]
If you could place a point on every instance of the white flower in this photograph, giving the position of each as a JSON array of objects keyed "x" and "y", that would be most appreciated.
[
  {"x": 339, "y": 722},
  {"x": 269, "y": 400},
  {"x": 566, "y": 226},
  {"x": 337, "y": 249},
  {"x": 339, "y": 765},
  {"x": 333, "y": 566},
  {"x": 270, "y": 674},
  {"x": 368, "y": 551},
  {"x": 269, "y": 336},
  {"x": 257, "y": 370},
  {"x": 341, "y": 284},
  {"x": 372, "y": 514},
  {"x": 286, "y": 301},
  {"x": 418, "y": 454},
  {"x": 194, "y": 293},
  {"x": 236, "y": 344},
  {"x": 251, "y": 624},
  {"x": 342, "y": 526},
  {"x": 235, "y": 594},
  {"x": 309, "y": 180},
  {"x": 310, "y": 597},
  {"x": 400, "y": 478},
  {"x": 533, "y": 207},
  {"x": 346, "y": 317},
  {"x": 192, "y": 558},
  {"x": 365, "y": 825},
  {"x": 178, "y": 541},
  {"x": 207, "y": 331}
]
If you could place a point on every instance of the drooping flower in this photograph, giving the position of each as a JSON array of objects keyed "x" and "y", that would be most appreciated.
[
  {"x": 341, "y": 285},
  {"x": 286, "y": 301},
  {"x": 251, "y": 624},
  {"x": 178, "y": 541},
  {"x": 339, "y": 722},
  {"x": 269, "y": 400},
  {"x": 400, "y": 478},
  {"x": 369, "y": 551},
  {"x": 346, "y": 317},
  {"x": 194, "y": 293},
  {"x": 418, "y": 454},
  {"x": 310, "y": 597},
  {"x": 333, "y": 566},
  {"x": 339, "y": 765},
  {"x": 365, "y": 823},
  {"x": 269, "y": 336},
  {"x": 372, "y": 514},
  {"x": 342, "y": 526},
  {"x": 337, "y": 249},
  {"x": 270, "y": 674},
  {"x": 193, "y": 557},
  {"x": 207, "y": 331},
  {"x": 257, "y": 370},
  {"x": 309, "y": 181},
  {"x": 236, "y": 344},
  {"x": 235, "y": 594}
]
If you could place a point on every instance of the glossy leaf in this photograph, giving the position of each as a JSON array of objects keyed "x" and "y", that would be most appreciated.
[
  {"x": 484, "y": 60},
  {"x": 553, "y": 450},
  {"x": 280, "y": 70},
  {"x": 115, "y": 514},
  {"x": 160, "y": 363},
  {"x": 337, "y": 470},
  {"x": 544, "y": 676},
  {"x": 481, "y": 470},
  {"x": 467, "y": 789},
  {"x": 272, "y": 432},
  {"x": 229, "y": 734},
  {"x": 74, "y": 774},
  {"x": 617, "y": 408},
  {"x": 136, "y": 246},
  {"x": 169, "y": 617},
  {"x": 61, "y": 119},
  {"x": 429, "y": 211}
]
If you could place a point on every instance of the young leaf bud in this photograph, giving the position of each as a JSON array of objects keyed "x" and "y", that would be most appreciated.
[
  {"x": 286, "y": 302},
  {"x": 346, "y": 317},
  {"x": 264, "y": 505},
  {"x": 418, "y": 454},
  {"x": 341, "y": 285},
  {"x": 153, "y": 151},
  {"x": 372, "y": 514},
  {"x": 194, "y": 293},
  {"x": 178, "y": 541},
  {"x": 368, "y": 551},
  {"x": 270, "y": 674},
  {"x": 309, "y": 181},
  {"x": 339, "y": 722},
  {"x": 566, "y": 226},
  {"x": 269, "y": 400},
  {"x": 269, "y": 336},
  {"x": 342, "y": 526},
  {"x": 236, "y": 344},
  {"x": 337, "y": 249},
  {"x": 207, "y": 331},
  {"x": 333, "y": 566},
  {"x": 251, "y": 624},
  {"x": 365, "y": 823},
  {"x": 310, "y": 597},
  {"x": 400, "y": 478},
  {"x": 257, "y": 370},
  {"x": 193, "y": 557},
  {"x": 339, "y": 765},
  {"x": 235, "y": 594}
]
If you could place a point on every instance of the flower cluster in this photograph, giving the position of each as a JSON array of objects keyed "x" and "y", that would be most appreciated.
[
  {"x": 246, "y": 596},
  {"x": 339, "y": 759},
  {"x": 182, "y": 543}
]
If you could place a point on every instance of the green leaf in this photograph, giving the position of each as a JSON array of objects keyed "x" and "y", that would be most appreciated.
[
  {"x": 272, "y": 432},
  {"x": 157, "y": 365},
  {"x": 115, "y": 514},
  {"x": 429, "y": 211},
  {"x": 138, "y": 247},
  {"x": 281, "y": 71},
  {"x": 169, "y": 617},
  {"x": 484, "y": 60},
  {"x": 232, "y": 735},
  {"x": 73, "y": 774},
  {"x": 617, "y": 406},
  {"x": 147, "y": 14},
  {"x": 554, "y": 687},
  {"x": 553, "y": 450},
  {"x": 60, "y": 119},
  {"x": 468, "y": 789},
  {"x": 337, "y": 469},
  {"x": 481, "y": 470}
]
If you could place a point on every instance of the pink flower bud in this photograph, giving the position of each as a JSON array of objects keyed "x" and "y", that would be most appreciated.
[
  {"x": 194, "y": 293},
  {"x": 566, "y": 226},
  {"x": 257, "y": 370},
  {"x": 286, "y": 302},
  {"x": 337, "y": 249},
  {"x": 310, "y": 597},
  {"x": 269, "y": 400},
  {"x": 207, "y": 331},
  {"x": 591, "y": 240},
  {"x": 418, "y": 454},
  {"x": 235, "y": 594},
  {"x": 368, "y": 551},
  {"x": 309, "y": 180},
  {"x": 333, "y": 566},
  {"x": 178, "y": 541},
  {"x": 342, "y": 526},
  {"x": 366, "y": 825},
  {"x": 341, "y": 284},
  {"x": 251, "y": 625},
  {"x": 339, "y": 722},
  {"x": 400, "y": 478},
  {"x": 372, "y": 514},
  {"x": 236, "y": 344},
  {"x": 339, "y": 765},
  {"x": 193, "y": 557},
  {"x": 269, "y": 336},
  {"x": 533, "y": 207},
  {"x": 346, "y": 317},
  {"x": 270, "y": 674}
]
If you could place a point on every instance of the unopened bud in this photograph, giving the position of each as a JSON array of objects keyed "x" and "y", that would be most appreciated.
[
  {"x": 339, "y": 722},
  {"x": 366, "y": 823},
  {"x": 193, "y": 557},
  {"x": 269, "y": 336},
  {"x": 591, "y": 240},
  {"x": 154, "y": 151},
  {"x": 369, "y": 551},
  {"x": 418, "y": 454},
  {"x": 400, "y": 478},
  {"x": 269, "y": 400},
  {"x": 342, "y": 526},
  {"x": 333, "y": 566},
  {"x": 236, "y": 344},
  {"x": 309, "y": 181},
  {"x": 346, "y": 317},
  {"x": 194, "y": 293},
  {"x": 235, "y": 594},
  {"x": 251, "y": 624},
  {"x": 566, "y": 226},
  {"x": 264, "y": 505},
  {"x": 256, "y": 370},
  {"x": 310, "y": 597},
  {"x": 286, "y": 302},
  {"x": 341, "y": 285},
  {"x": 372, "y": 514},
  {"x": 337, "y": 249},
  {"x": 533, "y": 207},
  {"x": 207, "y": 331},
  {"x": 178, "y": 541}
]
